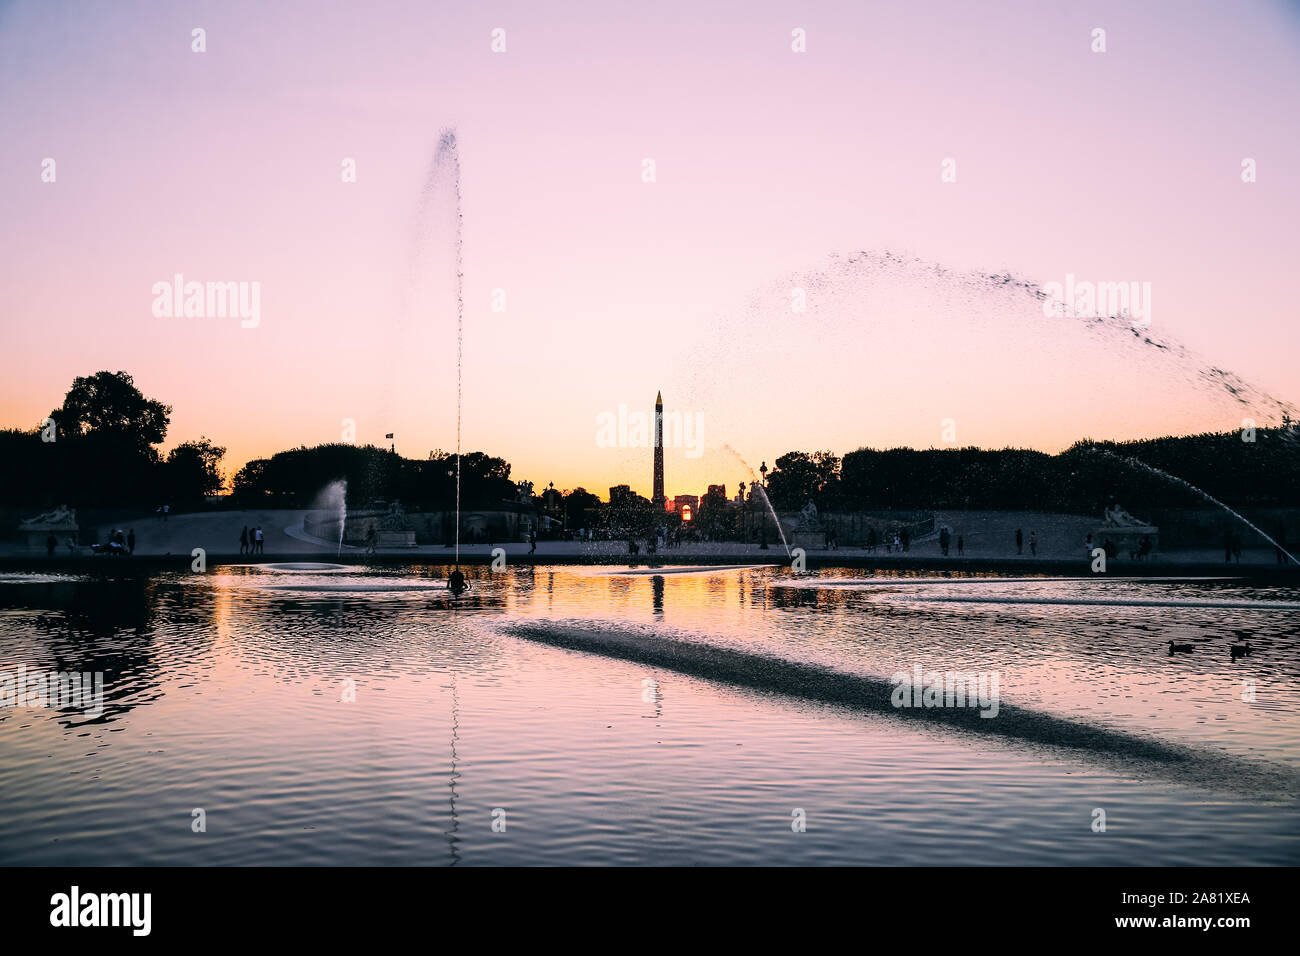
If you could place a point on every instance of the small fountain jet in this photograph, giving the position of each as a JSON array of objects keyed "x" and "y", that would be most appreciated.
[{"x": 456, "y": 582}]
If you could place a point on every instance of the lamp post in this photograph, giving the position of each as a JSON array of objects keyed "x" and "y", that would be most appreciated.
[
  {"x": 762, "y": 517},
  {"x": 446, "y": 537},
  {"x": 744, "y": 515},
  {"x": 557, "y": 505}
]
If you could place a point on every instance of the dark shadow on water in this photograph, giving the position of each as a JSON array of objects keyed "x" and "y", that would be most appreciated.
[{"x": 1126, "y": 752}]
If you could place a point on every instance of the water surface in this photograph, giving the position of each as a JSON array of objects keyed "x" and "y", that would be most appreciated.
[{"x": 230, "y": 692}]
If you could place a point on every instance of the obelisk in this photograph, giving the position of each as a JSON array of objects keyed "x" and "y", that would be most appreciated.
[{"x": 660, "y": 501}]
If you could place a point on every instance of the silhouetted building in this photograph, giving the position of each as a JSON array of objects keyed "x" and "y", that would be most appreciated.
[{"x": 553, "y": 502}]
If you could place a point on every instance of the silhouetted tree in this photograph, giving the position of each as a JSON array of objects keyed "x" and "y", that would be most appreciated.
[
  {"x": 192, "y": 471},
  {"x": 107, "y": 405},
  {"x": 103, "y": 450},
  {"x": 800, "y": 476},
  {"x": 581, "y": 507},
  {"x": 294, "y": 478}
]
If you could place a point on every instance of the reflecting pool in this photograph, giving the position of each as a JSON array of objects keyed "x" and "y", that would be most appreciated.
[{"x": 318, "y": 714}]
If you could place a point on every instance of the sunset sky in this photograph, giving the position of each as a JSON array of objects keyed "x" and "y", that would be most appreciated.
[{"x": 771, "y": 167}]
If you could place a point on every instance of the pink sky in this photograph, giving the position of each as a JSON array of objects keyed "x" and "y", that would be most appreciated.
[{"x": 225, "y": 166}]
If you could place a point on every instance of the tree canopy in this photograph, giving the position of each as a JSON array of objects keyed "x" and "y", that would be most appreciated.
[
  {"x": 1083, "y": 479},
  {"x": 293, "y": 478},
  {"x": 108, "y": 406},
  {"x": 101, "y": 452}
]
